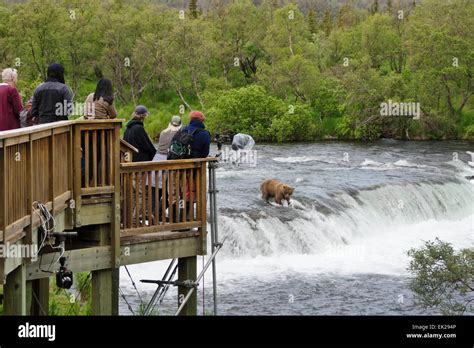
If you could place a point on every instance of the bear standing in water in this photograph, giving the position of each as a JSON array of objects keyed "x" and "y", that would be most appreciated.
[{"x": 275, "y": 188}]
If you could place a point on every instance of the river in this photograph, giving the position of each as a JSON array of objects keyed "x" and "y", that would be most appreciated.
[{"x": 341, "y": 247}]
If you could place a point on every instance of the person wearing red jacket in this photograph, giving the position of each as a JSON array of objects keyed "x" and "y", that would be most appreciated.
[{"x": 10, "y": 101}]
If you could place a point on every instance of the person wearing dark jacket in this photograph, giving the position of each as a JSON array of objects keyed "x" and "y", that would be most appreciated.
[
  {"x": 136, "y": 135},
  {"x": 201, "y": 138},
  {"x": 52, "y": 100}
]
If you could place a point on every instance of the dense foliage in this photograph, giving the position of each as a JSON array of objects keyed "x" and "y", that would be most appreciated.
[
  {"x": 276, "y": 70},
  {"x": 443, "y": 277}
]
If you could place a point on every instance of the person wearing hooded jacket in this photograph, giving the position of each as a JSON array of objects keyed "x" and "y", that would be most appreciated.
[
  {"x": 52, "y": 99},
  {"x": 136, "y": 136},
  {"x": 201, "y": 138}
]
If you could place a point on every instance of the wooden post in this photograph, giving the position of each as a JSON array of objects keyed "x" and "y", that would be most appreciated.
[
  {"x": 105, "y": 283},
  {"x": 15, "y": 292},
  {"x": 39, "y": 296},
  {"x": 105, "y": 292},
  {"x": 115, "y": 217},
  {"x": 77, "y": 183},
  {"x": 187, "y": 269}
]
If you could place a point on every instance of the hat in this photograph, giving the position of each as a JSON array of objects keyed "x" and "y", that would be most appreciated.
[
  {"x": 197, "y": 115},
  {"x": 141, "y": 110},
  {"x": 175, "y": 124},
  {"x": 176, "y": 120}
]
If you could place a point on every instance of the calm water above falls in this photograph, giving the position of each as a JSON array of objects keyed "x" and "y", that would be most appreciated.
[{"x": 340, "y": 247}]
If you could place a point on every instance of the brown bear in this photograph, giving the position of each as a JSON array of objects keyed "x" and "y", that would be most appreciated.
[{"x": 275, "y": 188}]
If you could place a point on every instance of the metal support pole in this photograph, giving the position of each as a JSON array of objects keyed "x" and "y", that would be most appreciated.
[
  {"x": 196, "y": 283},
  {"x": 214, "y": 236}
]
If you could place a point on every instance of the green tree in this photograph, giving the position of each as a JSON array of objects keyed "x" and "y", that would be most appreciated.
[
  {"x": 193, "y": 8},
  {"x": 327, "y": 21},
  {"x": 312, "y": 21},
  {"x": 442, "y": 52},
  {"x": 36, "y": 39},
  {"x": 443, "y": 277},
  {"x": 375, "y": 7}
]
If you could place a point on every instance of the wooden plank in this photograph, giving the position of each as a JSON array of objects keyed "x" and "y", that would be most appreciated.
[
  {"x": 129, "y": 204},
  {"x": 77, "y": 155},
  {"x": 178, "y": 195},
  {"x": 136, "y": 205},
  {"x": 160, "y": 250},
  {"x": 17, "y": 226},
  {"x": 158, "y": 236},
  {"x": 143, "y": 202},
  {"x": 111, "y": 164},
  {"x": 150, "y": 198},
  {"x": 115, "y": 227},
  {"x": 164, "y": 195},
  {"x": 80, "y": 260},
  {"x": 170, "y": 162},
  {"x": 103, "y": 159},
  {"x": 95, "y": 214},
  {"x": 18, "y": 140},
  {"x": 15, "y": 236},
  {"x": 52, "y": 178},
  {"x": 34, "y": 129},
  {"x": 168, "y": 227},
  {"x": 170, "y": 197},
  {"x": 157, "y": 199},
  {"x": 86, "y": 159},
  {"x": 95, "y": 191},
  {"x": 42, "y": 134},
  {"x": 191, "y": 194},
  {"x": 91, "y": 259},
  {"x": 62, "y": 198},
  {"x": 95, "y": 148},
  {"x": 2, "y": 192},
  {"x": 146, "y": 166},
  {"x": 29, "y": 187},
  {"x": 184, "y": 178}
]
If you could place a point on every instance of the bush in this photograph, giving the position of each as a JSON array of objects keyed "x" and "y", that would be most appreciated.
[
  {"x": 443, "y": 277},
  {"x": 253, "y": 111}
]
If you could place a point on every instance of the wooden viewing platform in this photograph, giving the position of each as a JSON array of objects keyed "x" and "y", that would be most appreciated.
[{"x": 81, "y": 171}]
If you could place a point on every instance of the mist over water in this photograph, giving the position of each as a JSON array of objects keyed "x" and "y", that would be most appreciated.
[{"x": 340, "y": 247}]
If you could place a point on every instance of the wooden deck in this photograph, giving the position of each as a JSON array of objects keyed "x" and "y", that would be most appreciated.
[{"x": 81, "y": 171}]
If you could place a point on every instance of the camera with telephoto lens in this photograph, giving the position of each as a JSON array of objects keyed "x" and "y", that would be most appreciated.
[{"x": 64, "y": 277}]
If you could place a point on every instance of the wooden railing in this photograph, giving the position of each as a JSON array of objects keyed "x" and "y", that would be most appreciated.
[
  {"x": 163, "y": 196},
  {"x": 35, "y": 165},
  {"x": 96, "y": 163}
]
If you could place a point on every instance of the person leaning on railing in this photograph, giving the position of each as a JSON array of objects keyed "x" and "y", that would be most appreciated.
[
  {"x": 10, "y": 101},
  {"x": 199, "y": 149}
]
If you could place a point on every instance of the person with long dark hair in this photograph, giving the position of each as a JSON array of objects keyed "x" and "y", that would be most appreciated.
[{"x": 100, "y": 104}]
